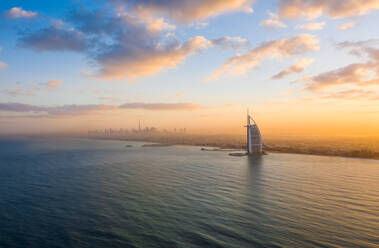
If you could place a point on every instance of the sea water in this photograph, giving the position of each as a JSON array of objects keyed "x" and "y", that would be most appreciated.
[{"x": 97, "y": 193}]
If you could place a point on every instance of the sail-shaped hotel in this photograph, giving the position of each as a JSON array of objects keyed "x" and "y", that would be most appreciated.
[{"x": 254, "y": 138}]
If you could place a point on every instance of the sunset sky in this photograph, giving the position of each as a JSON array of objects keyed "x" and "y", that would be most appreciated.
[{"x": 301, "y": 66}]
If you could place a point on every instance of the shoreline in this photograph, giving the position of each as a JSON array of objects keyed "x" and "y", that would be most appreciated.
[{"x": 358, "y": 154}]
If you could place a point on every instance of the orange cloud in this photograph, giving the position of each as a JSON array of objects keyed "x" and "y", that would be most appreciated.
[
  {"x": 190, "y": 10},
  {"x": 347, "y": 25},
  {"x": 273, "y": 22},
  {"x": 3, "y": 65},
  {"x": 358, "y": 74},
  {"x": 351, "y": 74},
  {"x": 53, "y": 83},
  {"x": 296, "y": 68},
  {"x": 358, "y": 81},
  {"x": 278, "y": 48},
  {"x": 148, "y": 62},
  {"x": 159, "y": 25},
  {"x": 18, "y": 12},
  {"x": 332, "y": 8},
  {"x": 137, "y": 47}
]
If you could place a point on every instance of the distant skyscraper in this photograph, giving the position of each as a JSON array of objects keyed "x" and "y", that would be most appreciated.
[
  {"x": 254, "y": 138},
  {"x": 139, "y": 125}
]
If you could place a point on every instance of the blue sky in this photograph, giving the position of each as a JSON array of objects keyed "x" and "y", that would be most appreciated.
[{"x": 171, "y": 63}]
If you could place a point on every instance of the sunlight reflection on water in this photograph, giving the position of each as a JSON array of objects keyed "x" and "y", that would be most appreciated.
[{"x": 87, "y": 193}]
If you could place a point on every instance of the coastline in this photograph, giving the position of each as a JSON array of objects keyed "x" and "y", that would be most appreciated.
[{"x": 360, "y": 154}]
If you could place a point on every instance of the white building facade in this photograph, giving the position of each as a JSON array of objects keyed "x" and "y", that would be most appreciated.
[{"x": 254, "y": 138}]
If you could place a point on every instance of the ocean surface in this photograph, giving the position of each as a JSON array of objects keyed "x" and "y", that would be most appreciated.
[{"x": 96, "y": 193}]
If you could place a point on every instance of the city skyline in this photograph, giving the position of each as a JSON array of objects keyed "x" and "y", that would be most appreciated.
[{"x": 304, "y": 67}]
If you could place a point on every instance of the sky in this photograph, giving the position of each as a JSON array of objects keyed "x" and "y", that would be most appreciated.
[{"x": 307, "y": 67}]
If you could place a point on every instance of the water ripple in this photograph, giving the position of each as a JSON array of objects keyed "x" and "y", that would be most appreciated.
[{"x": 81, "y": 193}]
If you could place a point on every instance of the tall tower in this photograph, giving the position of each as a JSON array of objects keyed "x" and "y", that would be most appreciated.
[
  {"x": 139, "y": 126},
  {"x": 254, "y": 138}
]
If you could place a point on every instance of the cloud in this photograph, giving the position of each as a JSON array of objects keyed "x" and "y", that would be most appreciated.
[
  {"x": 55, "y": 39},
  {"x": 357, "y": 75},
  {"x": 29, "y": 90},
  {"x": 18, "y": 12},
  {"x": 358, "y": 44},
  {"x": 17, "y": 92},
  {"x": 110, "y": 99},
  {"x": 332, "y": 8},
  {"x": 121, "y": 46},
  {"x": 347, "y": 25},
  {"x": 159, "y": 25},
  {"x": 53, "y": 83},
  {"x": 162, "y": 106},
  {"x": 19, "y": 107},
  {"x": 269, "y": 50},
  {"x": 273, "y": 22},
  {"x": 186, "y": 11},
  {"x": 65, "y": 110},
  {"x": 296, "y": 68},
  {"x": 312, "y": 26},
  {"x": 121, "y": 62},
  {"x": 179, "y": 95},
  {"x": 353, "y": 94},
  {"x": 3, "y": 65},
  {"x": 351, "y": 74},
  {"x": 230, "y": 42},
  {"x": 75, "y": 110}
]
